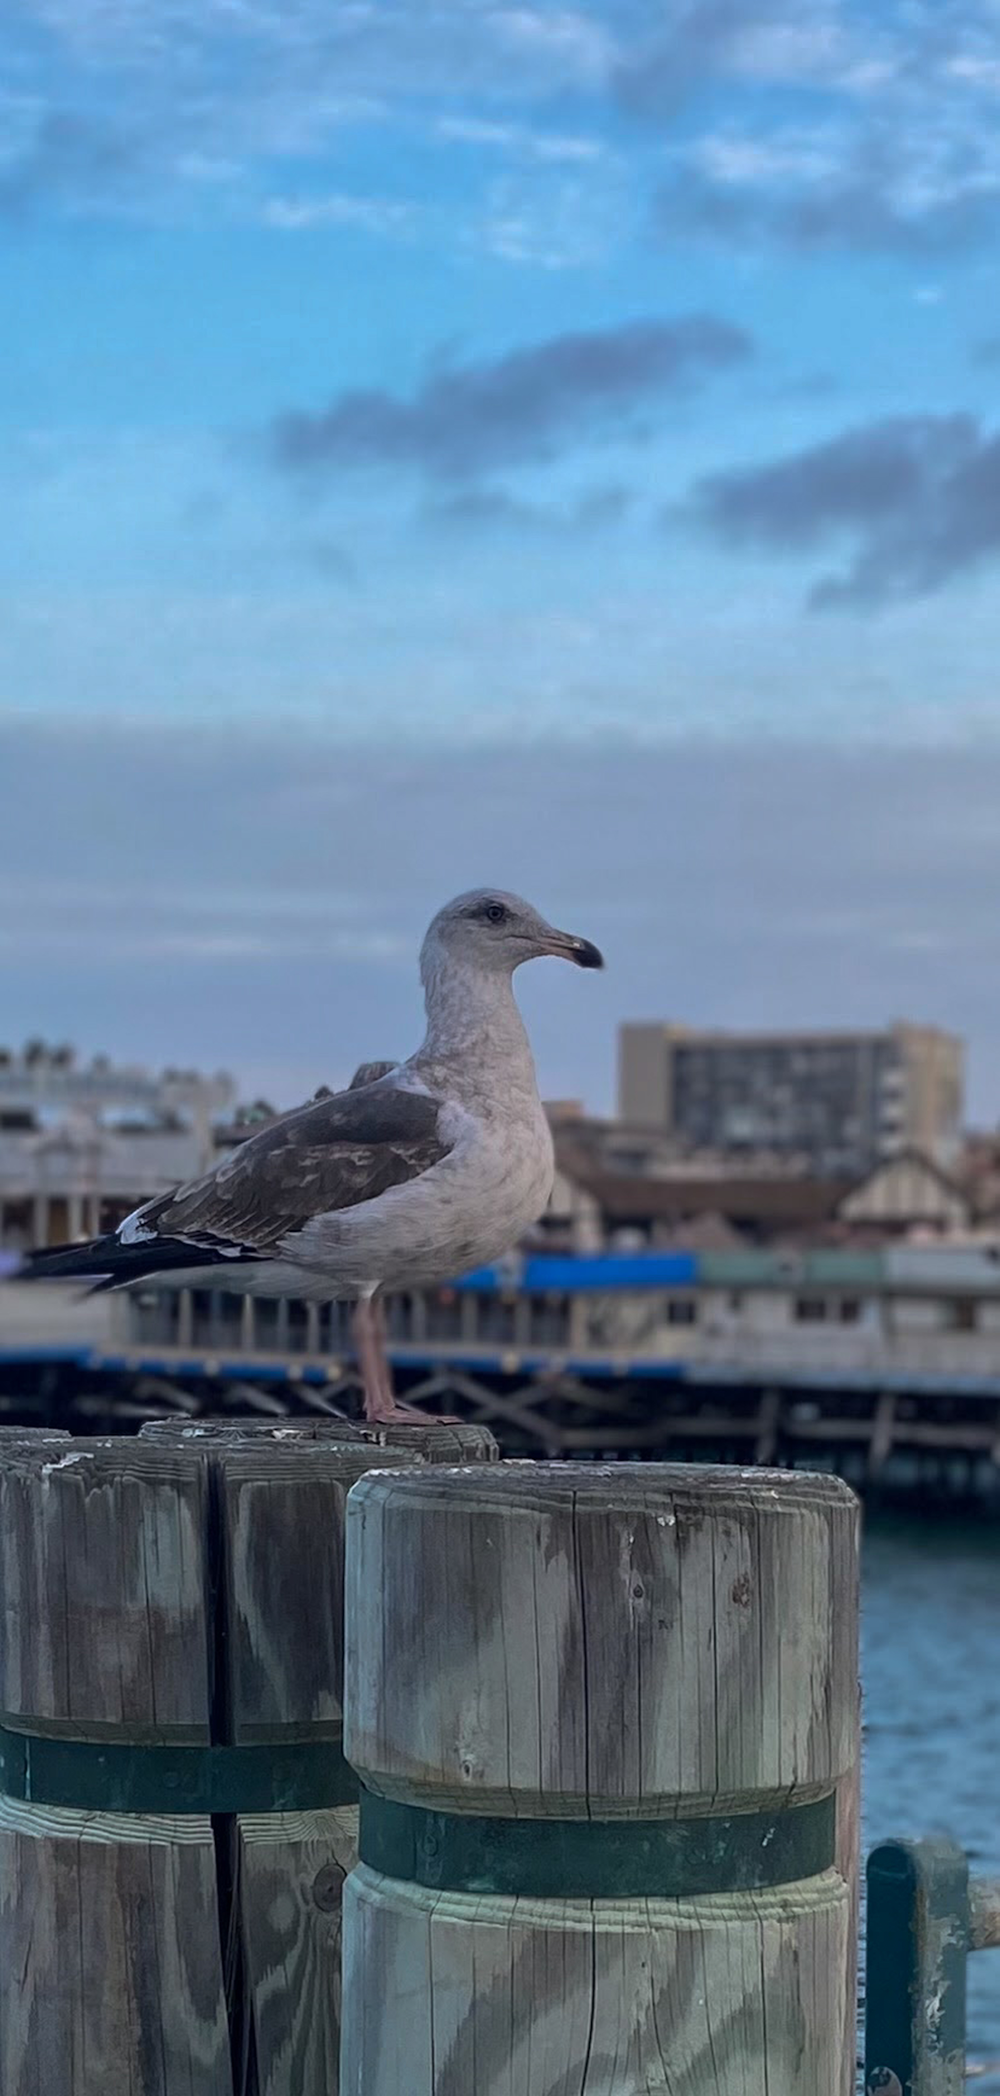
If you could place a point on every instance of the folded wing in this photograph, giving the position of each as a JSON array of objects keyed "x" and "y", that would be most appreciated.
[{"x": 329, "y": 1155}]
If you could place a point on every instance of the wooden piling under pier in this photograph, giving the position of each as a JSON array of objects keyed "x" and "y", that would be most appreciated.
[{"x": 607, "y": 1727}]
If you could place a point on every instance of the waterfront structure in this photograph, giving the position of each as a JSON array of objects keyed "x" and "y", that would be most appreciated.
[
  {"x": 882, "y": 1364},
  {"x": 83, "y": 1143},
  {"x": 841, "y": 1100}
]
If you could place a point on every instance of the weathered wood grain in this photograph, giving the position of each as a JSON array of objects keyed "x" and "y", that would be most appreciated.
[
  {"x": 109, "y": 1930},
  {"x": 462, "y": 1996},
  {"x": 32, "y": 1436},
  {"x": 103, "y": 1630},
  {"x": 602, "y": 1643},
  {"x": 109, "y": 1952},
  {"x": 283, "y": 1507},
  {"x": 436, "y": 1442},
  {"x": 682, "y": 1639},
  {"x": 182, "y": 1587},
  {"x": 292, "y": 1871}
]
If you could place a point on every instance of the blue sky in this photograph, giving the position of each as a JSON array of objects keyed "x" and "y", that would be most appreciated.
[
  {"x": 218, "y": 217},
  {"x": 488, "y": 375}
]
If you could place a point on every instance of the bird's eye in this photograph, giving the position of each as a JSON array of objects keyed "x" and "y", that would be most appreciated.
[{"x": 495, "y": 913}]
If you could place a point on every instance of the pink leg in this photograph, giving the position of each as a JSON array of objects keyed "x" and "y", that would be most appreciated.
[{"x": 376, "y": 1375}]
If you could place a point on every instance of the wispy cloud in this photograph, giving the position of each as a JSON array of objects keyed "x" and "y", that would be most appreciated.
[
  {"x": 371, "y": 214},
  {"x": 521, "y": 140},
  {"x": 522, "y": 408},
  {"x": 237, "y": 64},
  {"x": 902, "y": 154},
  {"x": 904, "y": 99},
  {"x": 870, "y": 183},
  {"x": 914, "y": 499},
  {"x": 815, "y": 44}
]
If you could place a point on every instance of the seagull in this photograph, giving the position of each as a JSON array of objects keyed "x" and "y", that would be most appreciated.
[{"x": 419, "y": 1171}]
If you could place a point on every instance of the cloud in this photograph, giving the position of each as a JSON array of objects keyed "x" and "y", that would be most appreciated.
[
  {"x": 791, "y": 44},
  {"x": 868, "y": 186},
  {"x": 521, "y": 140},
  {"x": 255, "y": 902},
  {"x": 848, "y": 215},
  {"x": 493, "y": 509},
  {"x": 574, "y": 42},
  {"x": 369, "y": 214},
  {"x": 238, "y": 77},
  {"x": 75, "y": 157},
  {"x": 551, "y": 217},
  {"x": 519, "y": 409},
  {"x": 237, "y": 109},
  {"x": 915, "y": 500},
  {"x": 847, "y": 128},
  {"x": 218, "y": 91}
]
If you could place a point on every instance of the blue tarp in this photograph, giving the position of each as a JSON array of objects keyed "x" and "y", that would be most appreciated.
[{"x": 545, "y": 1271}]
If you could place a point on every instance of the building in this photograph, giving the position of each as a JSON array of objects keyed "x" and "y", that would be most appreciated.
[
  {"x": 46, "y": 1082},
  {"x": 83, "y": 1143},
  {"x": 908, "y": 1195},
  {"x": 841, "y": 1100}
]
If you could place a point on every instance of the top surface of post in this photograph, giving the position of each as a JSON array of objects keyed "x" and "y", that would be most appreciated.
[
  {"x": 710, "y": 1489},
  {"x": 438, "y": 1441},
  {"x": 601, "y": 1640}
]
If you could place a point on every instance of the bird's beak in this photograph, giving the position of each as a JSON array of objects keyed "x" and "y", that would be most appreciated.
[{"x": 568, "y": 948}]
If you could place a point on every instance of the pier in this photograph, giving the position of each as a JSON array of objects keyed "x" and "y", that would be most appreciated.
[{"x": 883, "y": 1366}]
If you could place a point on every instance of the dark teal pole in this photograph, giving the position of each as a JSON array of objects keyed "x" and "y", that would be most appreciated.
[{"x": 917, "y": 1941}]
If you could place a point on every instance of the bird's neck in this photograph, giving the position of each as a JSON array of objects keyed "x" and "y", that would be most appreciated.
[{"x": 472, "y": 1017}]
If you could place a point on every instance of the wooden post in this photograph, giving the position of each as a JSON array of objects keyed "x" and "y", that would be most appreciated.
[
  {"x": 606, "y": 1721},
  {"x": 33, "y": 1436},
  {"x": 171, "y": 1661},
  {"x": 281, "y": 1490},
  {"x": 109, "y": 1936},
  {"x": 438, "y": 1441},
  {"x": 282, "y": 1507}
]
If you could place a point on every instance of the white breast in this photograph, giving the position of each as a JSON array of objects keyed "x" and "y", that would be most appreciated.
[{"x": 465, "y": 1212}]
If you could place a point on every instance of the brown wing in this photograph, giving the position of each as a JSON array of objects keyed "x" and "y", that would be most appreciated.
[{"x": 331, "y": 1154}]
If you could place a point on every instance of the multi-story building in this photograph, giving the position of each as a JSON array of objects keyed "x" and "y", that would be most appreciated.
[
  {"x": 82, "y": 1143},
  {"x": 842, "y": 1100}
]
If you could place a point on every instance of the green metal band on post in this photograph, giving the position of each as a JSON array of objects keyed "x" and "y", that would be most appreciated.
[
  {"x": 597, "y": 1859},
  {"x": 123, "y": 1776}
]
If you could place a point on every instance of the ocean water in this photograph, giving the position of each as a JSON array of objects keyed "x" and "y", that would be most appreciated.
[{"x": 931, "y": 1675}]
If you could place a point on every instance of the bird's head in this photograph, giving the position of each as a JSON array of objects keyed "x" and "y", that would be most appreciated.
[{"x": 492, "y": 930}]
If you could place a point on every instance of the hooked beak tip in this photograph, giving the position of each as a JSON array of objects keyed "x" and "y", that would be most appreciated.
[{"x": 584, "y": 953}]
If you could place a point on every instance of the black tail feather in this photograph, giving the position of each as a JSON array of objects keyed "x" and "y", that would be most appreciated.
[{"x": 109, "y": 1263}]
